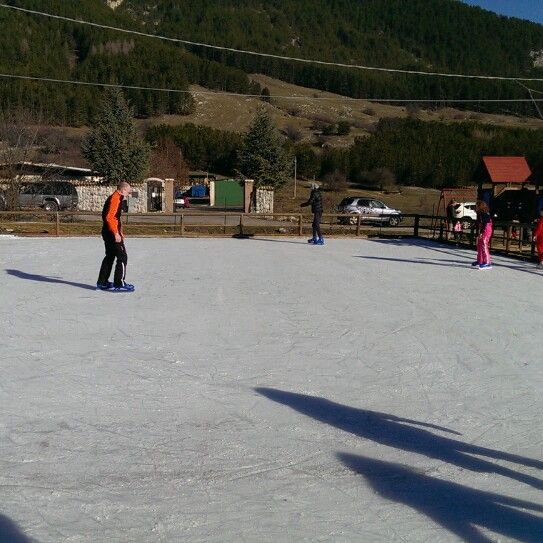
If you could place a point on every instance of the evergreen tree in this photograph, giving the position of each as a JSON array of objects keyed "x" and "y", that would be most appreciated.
[
  {"x": 265, "y": 95},
  {"x": 263, "y": 157},
  {"x": 113, "y": 147}
]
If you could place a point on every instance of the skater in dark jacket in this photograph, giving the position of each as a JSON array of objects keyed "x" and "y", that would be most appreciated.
[
  {"x": 315, "y": 201},
  {"x": 114, "y": 242}
]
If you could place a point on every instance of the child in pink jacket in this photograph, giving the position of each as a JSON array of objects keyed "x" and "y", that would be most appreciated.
[{"x": 484, "y": 231}]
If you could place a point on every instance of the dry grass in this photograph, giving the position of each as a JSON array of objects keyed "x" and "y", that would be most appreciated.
[
  {"x": 235, "y": 113},
  {"x": 410, "y": 200}
]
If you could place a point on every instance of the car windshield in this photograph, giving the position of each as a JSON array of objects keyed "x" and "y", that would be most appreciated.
[{"x": 346, "y": 201}]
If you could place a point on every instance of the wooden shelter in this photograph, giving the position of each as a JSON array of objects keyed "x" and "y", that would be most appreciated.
[{"x": 507, "y": 184}]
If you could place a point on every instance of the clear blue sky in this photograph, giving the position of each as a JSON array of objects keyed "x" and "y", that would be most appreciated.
[{"x": 524, "y": 9}]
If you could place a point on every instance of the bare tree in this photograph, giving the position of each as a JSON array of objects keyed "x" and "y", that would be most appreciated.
[
  {"x": 380, "y": 178},
  {"x": 19, "y": 136},
  {"x": 293, "y": 133},
  {"x": 167, "y": 162},
  {"x": 335, "y": 181}
]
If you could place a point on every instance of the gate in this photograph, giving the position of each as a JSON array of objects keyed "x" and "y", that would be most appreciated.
[{"x": 229, "y": 193}]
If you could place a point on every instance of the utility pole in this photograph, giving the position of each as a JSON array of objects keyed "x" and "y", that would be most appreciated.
[{"x": 295, "y": 164}]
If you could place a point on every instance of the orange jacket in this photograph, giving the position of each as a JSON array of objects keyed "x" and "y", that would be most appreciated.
[{"x": 111, "y": 214}]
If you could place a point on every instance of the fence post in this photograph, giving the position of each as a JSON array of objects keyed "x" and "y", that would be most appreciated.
[
  {"x": 241, "y": 224},
  {"x": 225, "y": 217},
  {"x": 472, "y": 235},
  {"x": 358, "y": 222},
  {"x": 182, "y": 222},
  {"x": 416, "y": 227},
  {"x": 300, "y": 225},
  {"x": 57, "y": 224},
  {"x": 508, "y": 238}
]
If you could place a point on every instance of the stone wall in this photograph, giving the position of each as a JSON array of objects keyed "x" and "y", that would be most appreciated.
[
  {"x": 263, "y": 200},
  {"x": 93, "y": 197}
]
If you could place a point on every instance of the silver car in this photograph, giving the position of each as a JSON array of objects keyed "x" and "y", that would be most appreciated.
[
  {"x": 370, "y": 211},
  {"x": 50, "y": 196}
]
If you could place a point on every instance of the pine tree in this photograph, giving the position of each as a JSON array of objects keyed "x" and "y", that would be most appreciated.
[
  {"x": 263, "y": 157},
  {"x": 113, "y": 147}
]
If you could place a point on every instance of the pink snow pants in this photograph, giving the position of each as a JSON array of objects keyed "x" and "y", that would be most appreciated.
[
  {"x": 539, "y": 245},
  {"x": 483, "y": 241}
]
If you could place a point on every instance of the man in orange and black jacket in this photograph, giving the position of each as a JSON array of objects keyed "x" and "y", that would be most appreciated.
[{"x": 114, "y": 242}]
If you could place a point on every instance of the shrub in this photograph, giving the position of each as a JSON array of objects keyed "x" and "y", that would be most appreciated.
[
  {"x": 343, "y": 128},
  {"x": 335, "y": 181}
]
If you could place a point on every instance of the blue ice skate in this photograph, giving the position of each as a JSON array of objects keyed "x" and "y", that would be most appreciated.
[
  {"x": 320, "y": 241},
  {"x": 312, "y": 241},
  {"x": 108, "y": 285},
  {"x": 127, "y": 287}
]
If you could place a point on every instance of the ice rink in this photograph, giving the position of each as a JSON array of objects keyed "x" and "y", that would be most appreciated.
[{"x": 269, "y": 391}]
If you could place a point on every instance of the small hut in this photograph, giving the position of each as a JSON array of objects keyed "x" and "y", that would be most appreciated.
[{"x": 506, "y": 184}]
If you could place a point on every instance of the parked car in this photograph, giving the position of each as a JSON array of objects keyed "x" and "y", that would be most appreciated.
[
  {"x": 50, "y": 196},
  {"x": 370, "y": 210},
  {"x": 466, "y": 212}
]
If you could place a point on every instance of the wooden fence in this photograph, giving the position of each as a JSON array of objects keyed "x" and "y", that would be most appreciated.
[{"x": 508, "y": 238}]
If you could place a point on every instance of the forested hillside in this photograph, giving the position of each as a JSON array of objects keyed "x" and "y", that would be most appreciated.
[
  {"x": 43, "y": 47},
  {"x": 426, "y": 35}
]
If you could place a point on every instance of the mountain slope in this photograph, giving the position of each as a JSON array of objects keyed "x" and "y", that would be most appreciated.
[
  {"x": 426, "y": 35},
  {"x": 437, "y": 35}
]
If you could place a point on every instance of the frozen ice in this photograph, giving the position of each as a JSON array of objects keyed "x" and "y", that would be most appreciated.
[{"x": 268, "y": 390}]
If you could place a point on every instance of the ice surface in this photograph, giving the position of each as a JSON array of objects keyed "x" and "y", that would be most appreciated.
[{"x": 267, "y": 390}]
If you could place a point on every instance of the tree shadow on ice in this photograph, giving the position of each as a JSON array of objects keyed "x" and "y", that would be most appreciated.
[
  {"x": 459, "y": 509},
  {"x": 268, "y": 240},
  {"x": 405, "y": 434},
  {"x": 426, "y": 261},
  {"x": 526, "y": 266},
  {"x": 47, "y": 279},
  {"x": 431, "y": 245},
  {"x": 10, "y": 532},
  {"x": 449, "y": 263}
]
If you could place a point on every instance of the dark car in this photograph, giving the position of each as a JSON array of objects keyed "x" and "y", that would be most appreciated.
[{"x": 50, "y": 196}]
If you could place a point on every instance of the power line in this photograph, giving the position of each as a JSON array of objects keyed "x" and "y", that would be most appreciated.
[
  {"x": 531, "y": 93},
  {"x": 277, "y": 96},
  {"x": 269, "y": 55}
]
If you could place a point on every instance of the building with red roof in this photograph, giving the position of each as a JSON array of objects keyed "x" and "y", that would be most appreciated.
[
  {"x": 506, "y": 183},
  {"x": 507, "y": 169}
]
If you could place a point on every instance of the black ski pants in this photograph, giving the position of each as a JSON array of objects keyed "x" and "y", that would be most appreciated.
[
  {"x": 114, "y": 251},
  {"x": 317, "y": 216}
]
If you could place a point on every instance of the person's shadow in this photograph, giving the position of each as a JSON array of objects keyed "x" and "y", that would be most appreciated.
[
  {"x": 47, "y": 279},
  {"x": 459, "y": 509},
  {"x": 405, "y": 434},
  {"x": 10, "y": 532}
]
